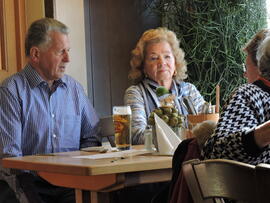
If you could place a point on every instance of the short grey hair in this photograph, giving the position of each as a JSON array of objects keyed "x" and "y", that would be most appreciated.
[
  {"x": 251, "y": 47},
  {"x": 38, "y": 32},
  {"x": 263, "y": 57}
]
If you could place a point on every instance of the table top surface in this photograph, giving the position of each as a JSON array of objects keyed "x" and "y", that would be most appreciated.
[{"x": 66, "y": 163}]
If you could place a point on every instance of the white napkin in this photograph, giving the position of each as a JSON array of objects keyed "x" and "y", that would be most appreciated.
[{"x": 167, "y": 140}]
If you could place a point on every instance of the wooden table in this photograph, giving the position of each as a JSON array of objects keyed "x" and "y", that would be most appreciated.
[{"x": 99, "y": 176}]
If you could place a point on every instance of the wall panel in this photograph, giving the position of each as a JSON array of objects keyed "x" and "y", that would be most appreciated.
[{"x": 113, "y": 30}]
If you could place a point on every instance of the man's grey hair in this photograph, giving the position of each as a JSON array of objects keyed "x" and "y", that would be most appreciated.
[{"x": 38, "y": 32}]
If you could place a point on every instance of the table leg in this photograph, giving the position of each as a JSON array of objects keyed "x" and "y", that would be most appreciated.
[
  {"x": 79, "y": 196},
  {"x": 95, "y": 197},
  {"x": 100, "y": 197}
]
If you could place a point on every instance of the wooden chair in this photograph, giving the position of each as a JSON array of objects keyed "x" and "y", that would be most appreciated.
[
  {"x": 107, "y": 129},
  {"x": 214, "y": 179},
  {"x": 263, "y": 182}
]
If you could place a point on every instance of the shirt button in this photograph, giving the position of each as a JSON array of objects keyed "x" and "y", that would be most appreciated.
[
  {"x": 54, "y": 135},
  {"x": 52, "y": 115}
]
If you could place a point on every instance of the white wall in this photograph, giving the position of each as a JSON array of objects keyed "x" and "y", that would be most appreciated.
[{"x": 71, "y": 13}]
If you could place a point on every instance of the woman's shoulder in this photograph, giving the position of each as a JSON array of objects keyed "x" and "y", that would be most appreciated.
[
  {"x": 247, "y": 91},
  {"x": 134, "y": 88},
  {"x": 187, "y": 87},
  {"x": 247, "y": 88},
  {"x": 184, "y": 84}
]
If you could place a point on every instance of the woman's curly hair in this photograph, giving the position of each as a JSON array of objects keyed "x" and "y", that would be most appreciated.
[{"x": 160, "y": 34}]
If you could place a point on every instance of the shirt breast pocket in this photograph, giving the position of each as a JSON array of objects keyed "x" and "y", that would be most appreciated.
[{"x": 72, "y": 130}]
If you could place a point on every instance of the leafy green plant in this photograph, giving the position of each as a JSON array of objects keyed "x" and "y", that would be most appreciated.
[{"x": 212, "y": 34}]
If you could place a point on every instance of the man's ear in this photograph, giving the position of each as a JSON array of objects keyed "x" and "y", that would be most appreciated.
[{"x": 34, "y": 54}]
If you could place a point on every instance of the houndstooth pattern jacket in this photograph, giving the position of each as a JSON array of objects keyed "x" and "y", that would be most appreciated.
[{"x": 233, "y": 138}]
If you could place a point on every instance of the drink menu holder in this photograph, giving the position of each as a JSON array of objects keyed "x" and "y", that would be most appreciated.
[{"x": 166, "y": 141}]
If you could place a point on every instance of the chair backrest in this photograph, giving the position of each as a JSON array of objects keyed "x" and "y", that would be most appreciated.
[
  {"x": 263, "y": 182},
  {"x": 107, "y": 129},
  {"x": 214, "y": 179}
]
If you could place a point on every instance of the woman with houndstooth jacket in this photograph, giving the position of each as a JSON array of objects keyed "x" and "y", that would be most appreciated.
[{"x": 243, "y": 131}]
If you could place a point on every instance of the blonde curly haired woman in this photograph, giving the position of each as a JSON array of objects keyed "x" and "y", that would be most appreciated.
[{"x": 157, "y": 60}]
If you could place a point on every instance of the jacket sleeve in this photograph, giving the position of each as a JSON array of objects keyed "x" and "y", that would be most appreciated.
[
  {"x": 133, "y": 98},
  {"x": 197, "y": 98}
]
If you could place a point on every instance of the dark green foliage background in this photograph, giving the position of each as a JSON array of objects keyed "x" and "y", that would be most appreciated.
[{"x": 212, "y": 34}]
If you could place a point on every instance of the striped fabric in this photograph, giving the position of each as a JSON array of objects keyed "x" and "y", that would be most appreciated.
[
  {"x": 36, "y": 120},
  {"x": 135, "y": 99}
]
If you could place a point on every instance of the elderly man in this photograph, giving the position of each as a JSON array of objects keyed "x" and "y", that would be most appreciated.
[{"x": 43, "y": 110}]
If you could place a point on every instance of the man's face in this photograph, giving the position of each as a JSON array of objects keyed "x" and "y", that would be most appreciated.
[{"x": 53, "y": 58}]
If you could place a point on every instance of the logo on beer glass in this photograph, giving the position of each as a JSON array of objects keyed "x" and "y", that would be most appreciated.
[{"x": 122, "y": 127}]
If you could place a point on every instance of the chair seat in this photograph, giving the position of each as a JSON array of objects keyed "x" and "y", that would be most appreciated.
[
  {"x": 220, "y": 178},
  {"x": 107, "y": 129}
]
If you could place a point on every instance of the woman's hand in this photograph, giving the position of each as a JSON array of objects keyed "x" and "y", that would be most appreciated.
[{"x": 262, "y": 134}]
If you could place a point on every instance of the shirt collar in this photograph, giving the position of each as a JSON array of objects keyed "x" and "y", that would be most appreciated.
[
  {"x": 265, "y": 81},
  {"x": 154, "y": 85},
  {"x": 34, "y": 79}
]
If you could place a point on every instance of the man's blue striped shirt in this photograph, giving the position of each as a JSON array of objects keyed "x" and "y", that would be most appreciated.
[{"x": 37, "y": 120}]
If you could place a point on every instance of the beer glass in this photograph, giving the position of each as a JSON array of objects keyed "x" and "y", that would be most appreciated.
[{"x": 122, "y": 127}]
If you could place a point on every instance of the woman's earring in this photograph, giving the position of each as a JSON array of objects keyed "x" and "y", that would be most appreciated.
[{"x": 145, "y": 75}]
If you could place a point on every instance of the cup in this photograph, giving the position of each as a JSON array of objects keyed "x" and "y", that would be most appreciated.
[
  {"x": 122, "y": 127},
  {"x": 148, "y": 139}
]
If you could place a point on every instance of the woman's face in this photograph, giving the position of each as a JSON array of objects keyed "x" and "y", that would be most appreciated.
[
  {"x": 252, "y": 71},
  {"x": 159, "y": 62}
]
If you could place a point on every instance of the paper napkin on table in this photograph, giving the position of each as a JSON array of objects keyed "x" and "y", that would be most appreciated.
[{"x": 167, "y": 140}]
